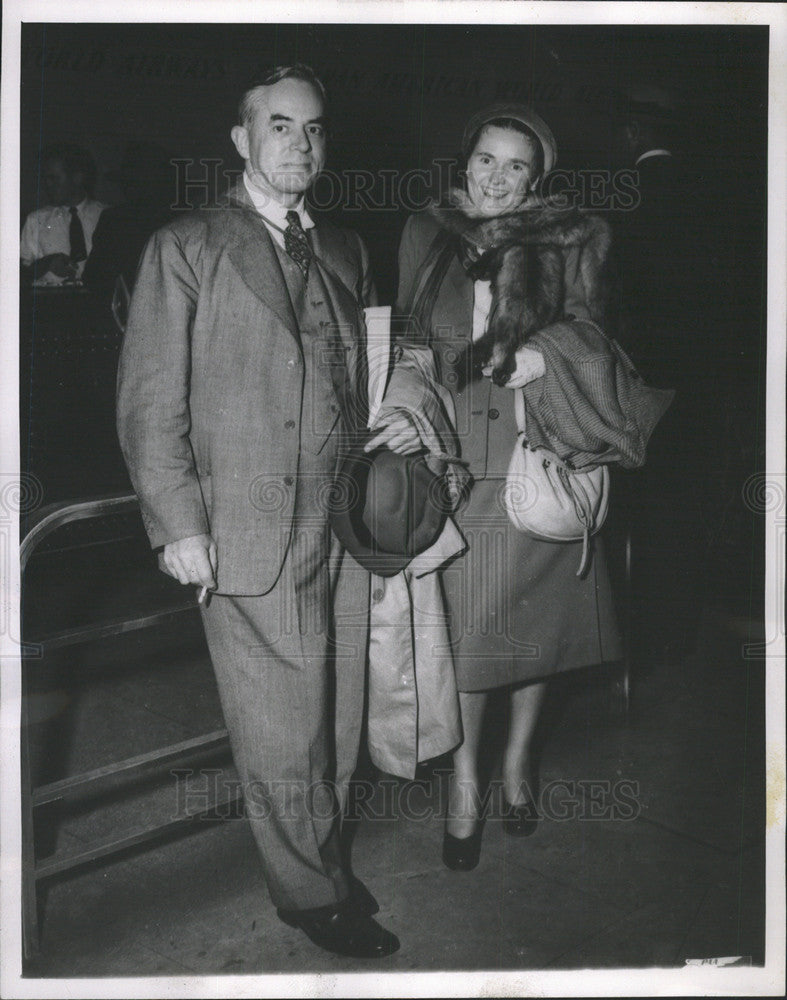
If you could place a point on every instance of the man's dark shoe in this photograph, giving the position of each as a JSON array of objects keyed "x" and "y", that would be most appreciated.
[
  {"x": 361, "y": 898},
  {"x": 344, "y": 930}
]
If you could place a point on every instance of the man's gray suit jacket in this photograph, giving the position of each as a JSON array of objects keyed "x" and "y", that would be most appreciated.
[{"x": 212, "y": 372}]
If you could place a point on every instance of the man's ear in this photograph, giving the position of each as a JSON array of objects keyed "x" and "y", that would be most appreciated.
[
  {"x": 240, "y": 138},
  {"x": 632, "y": 130}
]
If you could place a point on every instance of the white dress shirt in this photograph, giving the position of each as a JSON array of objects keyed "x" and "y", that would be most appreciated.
[
  {"x": 46, "y": 231},
  {"x": 650, "y": 153},
  {"x": 274, "y": 214},
  {"x": 482, "y": 304}
]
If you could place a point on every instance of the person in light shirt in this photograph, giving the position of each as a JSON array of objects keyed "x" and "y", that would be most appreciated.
[{"x": 57, "y": 239}]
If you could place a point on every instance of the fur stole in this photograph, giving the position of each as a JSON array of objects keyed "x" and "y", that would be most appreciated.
[{"x": 523, "y": 255}]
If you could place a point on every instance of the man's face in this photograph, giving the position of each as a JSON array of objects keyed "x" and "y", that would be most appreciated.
[
  {"x": 61, "y": 187},
  {"x": 500, "y": 170},
  {"x": 284, "y": 143}
]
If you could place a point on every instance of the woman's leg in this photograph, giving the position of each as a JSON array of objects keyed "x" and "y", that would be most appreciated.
[
  {"x": 464, "y": 793},
  {"x": 526, "y": 704}
]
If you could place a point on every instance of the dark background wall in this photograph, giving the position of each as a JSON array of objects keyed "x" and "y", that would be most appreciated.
[{"x": 399, "y": 97}]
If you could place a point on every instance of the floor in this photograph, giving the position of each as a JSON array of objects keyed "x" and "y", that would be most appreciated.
[{"x": 650, "y": 850}]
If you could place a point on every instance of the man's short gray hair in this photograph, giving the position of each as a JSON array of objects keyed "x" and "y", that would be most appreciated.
[{"x": 297, "y": 71}]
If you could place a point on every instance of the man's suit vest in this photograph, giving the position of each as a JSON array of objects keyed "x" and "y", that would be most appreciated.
[{"x": 324, "y": 365}]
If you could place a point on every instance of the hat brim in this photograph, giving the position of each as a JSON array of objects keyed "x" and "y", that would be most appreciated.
[{"x": 346, "y": 511}]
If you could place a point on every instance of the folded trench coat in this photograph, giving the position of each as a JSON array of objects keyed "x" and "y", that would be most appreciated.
[{"x": 413, "y": 700}]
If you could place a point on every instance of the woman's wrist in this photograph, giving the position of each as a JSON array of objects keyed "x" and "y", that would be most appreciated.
[{"x": 530, "y": 365}]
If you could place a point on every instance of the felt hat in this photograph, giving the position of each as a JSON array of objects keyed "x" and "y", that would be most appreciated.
[
  {"x": 520, "y": 113},
  {"x": 386, "y": 508}
]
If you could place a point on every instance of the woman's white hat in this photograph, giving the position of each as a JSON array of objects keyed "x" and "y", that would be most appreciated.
[{"x": 520, "y": 113}]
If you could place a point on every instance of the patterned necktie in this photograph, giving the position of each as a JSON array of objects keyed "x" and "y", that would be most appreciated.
[
  {"x": 76, "y": 236},
  {"x": 296, "y": 243}
]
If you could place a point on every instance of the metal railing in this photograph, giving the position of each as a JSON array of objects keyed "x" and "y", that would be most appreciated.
[{"x": 34, "y": 871}]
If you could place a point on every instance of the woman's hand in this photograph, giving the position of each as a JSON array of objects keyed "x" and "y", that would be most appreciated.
[
  {"x": 397, "y": 432},
  {"x": 529, "y": 366}
]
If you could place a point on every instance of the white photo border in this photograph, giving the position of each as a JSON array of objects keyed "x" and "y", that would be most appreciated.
[{"x": 739, "y": 981}]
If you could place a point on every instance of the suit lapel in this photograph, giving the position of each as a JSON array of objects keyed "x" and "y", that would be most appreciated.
[
  {"x": 338, "y": 269},
  {"x": 254, "y": 257}
]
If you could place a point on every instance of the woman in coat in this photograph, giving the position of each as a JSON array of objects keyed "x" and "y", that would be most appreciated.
[{"x": 478, "y": 286}]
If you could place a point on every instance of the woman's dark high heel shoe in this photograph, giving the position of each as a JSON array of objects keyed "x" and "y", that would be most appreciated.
[
  {"x": 521, "y": 821},
  {"x": 461, "y": 854}
]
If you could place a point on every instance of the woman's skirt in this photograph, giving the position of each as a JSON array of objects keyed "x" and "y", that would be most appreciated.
[{"x": 518, "y": 611}]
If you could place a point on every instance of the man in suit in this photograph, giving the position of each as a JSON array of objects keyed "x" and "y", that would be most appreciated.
[
  {"x": 241, "y": 372},
  {"x": 147, "y": 180},
  {"x": 667, "y": 286}
]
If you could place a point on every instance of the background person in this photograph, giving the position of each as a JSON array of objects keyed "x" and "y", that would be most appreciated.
[
  {"x": 57, "y": 239},
  {"x": 672, "y": 322},
  {"x": 148, "y": 183}
]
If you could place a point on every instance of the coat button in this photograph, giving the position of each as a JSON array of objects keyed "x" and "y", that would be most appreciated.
[
  {"x": 289, "y": 423},
  {"x": 291, "y": 362},
  {"x": 288, "y": 480},
  {"x": 494, "y": 414},
  {"x": 377, "y": 595}
]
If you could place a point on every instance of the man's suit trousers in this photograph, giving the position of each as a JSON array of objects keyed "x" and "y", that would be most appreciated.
[{"x": 290, "y": 671}]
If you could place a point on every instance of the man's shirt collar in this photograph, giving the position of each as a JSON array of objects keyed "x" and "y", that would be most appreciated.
[
  {"x": 274, "y": 212},
  {"x": 65, "y": 210},
  {"x": 651, "y": 152}
]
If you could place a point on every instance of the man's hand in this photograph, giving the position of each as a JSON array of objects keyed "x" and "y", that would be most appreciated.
[
  {"x": 398, "y": 433},
  {"x": 192, "y": 560},
  {"x": 55, "y": 263},
  {"x": 529, "y": 366}
]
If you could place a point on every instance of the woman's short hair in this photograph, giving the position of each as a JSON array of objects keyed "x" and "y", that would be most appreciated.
[
  {"x": 296, "y": 71},
  {"x": 515, "y": 126}
]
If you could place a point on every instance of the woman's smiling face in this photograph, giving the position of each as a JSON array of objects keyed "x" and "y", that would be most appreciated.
[{"x": 501, "y": 170}]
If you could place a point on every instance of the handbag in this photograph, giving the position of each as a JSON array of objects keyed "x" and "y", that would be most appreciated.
[{"x": 549, "y": 501}]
